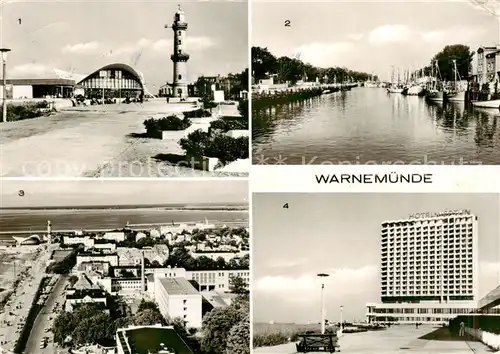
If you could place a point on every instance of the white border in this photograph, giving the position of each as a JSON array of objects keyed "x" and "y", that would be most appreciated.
[{"x": 445, "y": 179}]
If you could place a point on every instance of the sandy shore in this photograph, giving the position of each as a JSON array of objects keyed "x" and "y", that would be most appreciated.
[{"x": 13, "y": 262}]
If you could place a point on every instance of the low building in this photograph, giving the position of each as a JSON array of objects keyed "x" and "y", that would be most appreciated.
[
  {"x": 150, "y": 340},
  {"x": 79, "y": 297},
  {"x": 38, "y": 88},
  {"x": 84, "y": 292},
  {"x": 88, "y": 242},
  {"x": 111, "y": 258},
  {"x": 99, "y": 267},
  {"x": 27, "y": 241},
  {"x": 114, "y": 236},
  {"x": 226, "y": 256},
  {"x": 217, "y": 280},
  {"x": 176, "y": 297}
]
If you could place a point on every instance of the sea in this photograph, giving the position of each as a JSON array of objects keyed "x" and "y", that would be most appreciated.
[{"x": 31, "y": 220}]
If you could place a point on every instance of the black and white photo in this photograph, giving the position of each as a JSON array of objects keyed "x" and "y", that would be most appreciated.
[
  {"x": 375, "y": 82},
  {"x": 124, "y": 89},
  {"x": 122, "y": 266},
  {"x": 375, "y": 272}
]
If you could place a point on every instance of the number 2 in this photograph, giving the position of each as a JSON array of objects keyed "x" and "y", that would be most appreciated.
[{"x": 287, "y": 23}]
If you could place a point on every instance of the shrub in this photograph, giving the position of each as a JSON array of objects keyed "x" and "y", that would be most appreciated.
[
  {"x": 28, "y": 110},
  {"x": 197, "y": 113},
  {"x": 230, "y": 123},
  {"x": 225, "y": 148},
  {"x": 154, "y": 127}
]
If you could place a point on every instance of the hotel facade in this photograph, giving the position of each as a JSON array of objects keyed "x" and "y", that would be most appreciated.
[{"x": 429, "y": 268}]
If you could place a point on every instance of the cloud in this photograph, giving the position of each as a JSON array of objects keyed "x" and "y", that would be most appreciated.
[
  {"x": 355, "y": 36},
  {"x": 30, "y": 70},
  {"x": 340, "y": 283},
  {"x": 323, "y": 53},
  {"x": 466, "y": 34},
  {"x": 390, "y": 34},
  {"x": 87, "y": 48}
]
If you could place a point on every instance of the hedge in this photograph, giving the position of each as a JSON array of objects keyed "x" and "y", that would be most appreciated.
[
  {"x": 225, "y": 148},
  {"x": 197, "y": 113},
  {"x": 27, "y": 110},
  {"x": 30, "y": 320},
  {"x": 154, "y": 127},
  {"x": 230, "y": 123}
]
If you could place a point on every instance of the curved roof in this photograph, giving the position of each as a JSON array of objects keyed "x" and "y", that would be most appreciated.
[
  {"x": 121, "y": 66},
  {"x": 30, "y": 240}
]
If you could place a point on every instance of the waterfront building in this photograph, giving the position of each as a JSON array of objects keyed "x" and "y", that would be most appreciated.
[
  {"x": 155, "y": 339},
  {"x": 488, "y": 65},
  {"x": 88, "y": 242},
  {"x": 117, "y": 236},
  {"x": 429, "y": 268},
  {"x": 176, "y": 297}
]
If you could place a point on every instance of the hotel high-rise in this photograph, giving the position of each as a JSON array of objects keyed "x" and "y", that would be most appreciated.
[{"x": 429, "y": 268}]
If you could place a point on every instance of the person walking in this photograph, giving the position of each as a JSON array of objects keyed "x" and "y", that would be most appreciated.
[{"x": 462, "y": 329}]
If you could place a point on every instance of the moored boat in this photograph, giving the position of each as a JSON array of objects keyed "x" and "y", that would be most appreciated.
[
  {"x": 487, "y": 104},
  {"x": 435, "y": 95},
  {"x": 456, "y": 97},
  {"x": 415, "y": 90}
]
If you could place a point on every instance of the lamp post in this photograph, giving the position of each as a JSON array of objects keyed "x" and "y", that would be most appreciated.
[
  {"x": 341, "y": 319},
  {"x": 322, "y": 275},
  {"x": 4, "y": 52}
]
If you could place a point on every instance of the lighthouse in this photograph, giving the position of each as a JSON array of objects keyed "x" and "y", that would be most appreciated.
[
  {"x": 49, "y": 232},
  {"x": 179, "y": 56}
]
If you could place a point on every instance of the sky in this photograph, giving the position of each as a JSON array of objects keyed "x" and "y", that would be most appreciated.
[
  {"x": 339, "y": 234},
  {"x": 50, "y": 193},
  {"x": 83, "y": 36},
  {"x": 370, "y": 36}
]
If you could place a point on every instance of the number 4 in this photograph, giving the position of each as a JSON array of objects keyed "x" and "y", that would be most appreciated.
[{"x": 285, "y": 206}]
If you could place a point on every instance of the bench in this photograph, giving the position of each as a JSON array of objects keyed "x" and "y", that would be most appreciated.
[{"x": 327, "y": 342}]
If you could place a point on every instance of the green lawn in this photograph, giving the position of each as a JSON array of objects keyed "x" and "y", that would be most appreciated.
[{"x": 144, "y": 340}]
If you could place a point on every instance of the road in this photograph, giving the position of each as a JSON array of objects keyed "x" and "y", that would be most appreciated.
[
  {"x": 42, "y": 321},
  {"x": 397, "y": 339},
  {"x": 92, "y": 141},
  {"x": 17, "y": 308}
]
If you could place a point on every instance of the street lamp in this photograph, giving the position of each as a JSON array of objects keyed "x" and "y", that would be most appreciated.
[
  {"x": 4, "y": 52},
  {"x": 322, "y": 275},
  {"x": 341, "y": 319}
]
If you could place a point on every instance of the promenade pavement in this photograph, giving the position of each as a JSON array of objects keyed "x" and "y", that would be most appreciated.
[
  {"x": 395, "y": 340},
  {"x": 93, "y": 141}
]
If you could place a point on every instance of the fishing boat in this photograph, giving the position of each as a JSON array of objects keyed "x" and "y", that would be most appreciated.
[
  {"x": 395, "y": 86},
  {"x": 434, "y": 92},
  {"x": 457, "y": 94}
]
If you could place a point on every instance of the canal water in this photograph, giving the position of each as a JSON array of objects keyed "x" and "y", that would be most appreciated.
[{"x": 369, "y": 126}]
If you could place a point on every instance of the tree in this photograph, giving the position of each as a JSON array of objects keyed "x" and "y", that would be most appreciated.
[
  {"x": 263, "y": 62},
  {"x": 458, "y": 52},
  {"x": 149, "y": 317},
  {"x": 238, "y": 286},
  {"x": 238, "y": 341},
  {"x": 62, "y": 327},
  {"x": 94, "y": 328},
  {"x": 216, "y": 327},
  {"x": 145, "y": 305},
  {"x": 72, "y": 280}
]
